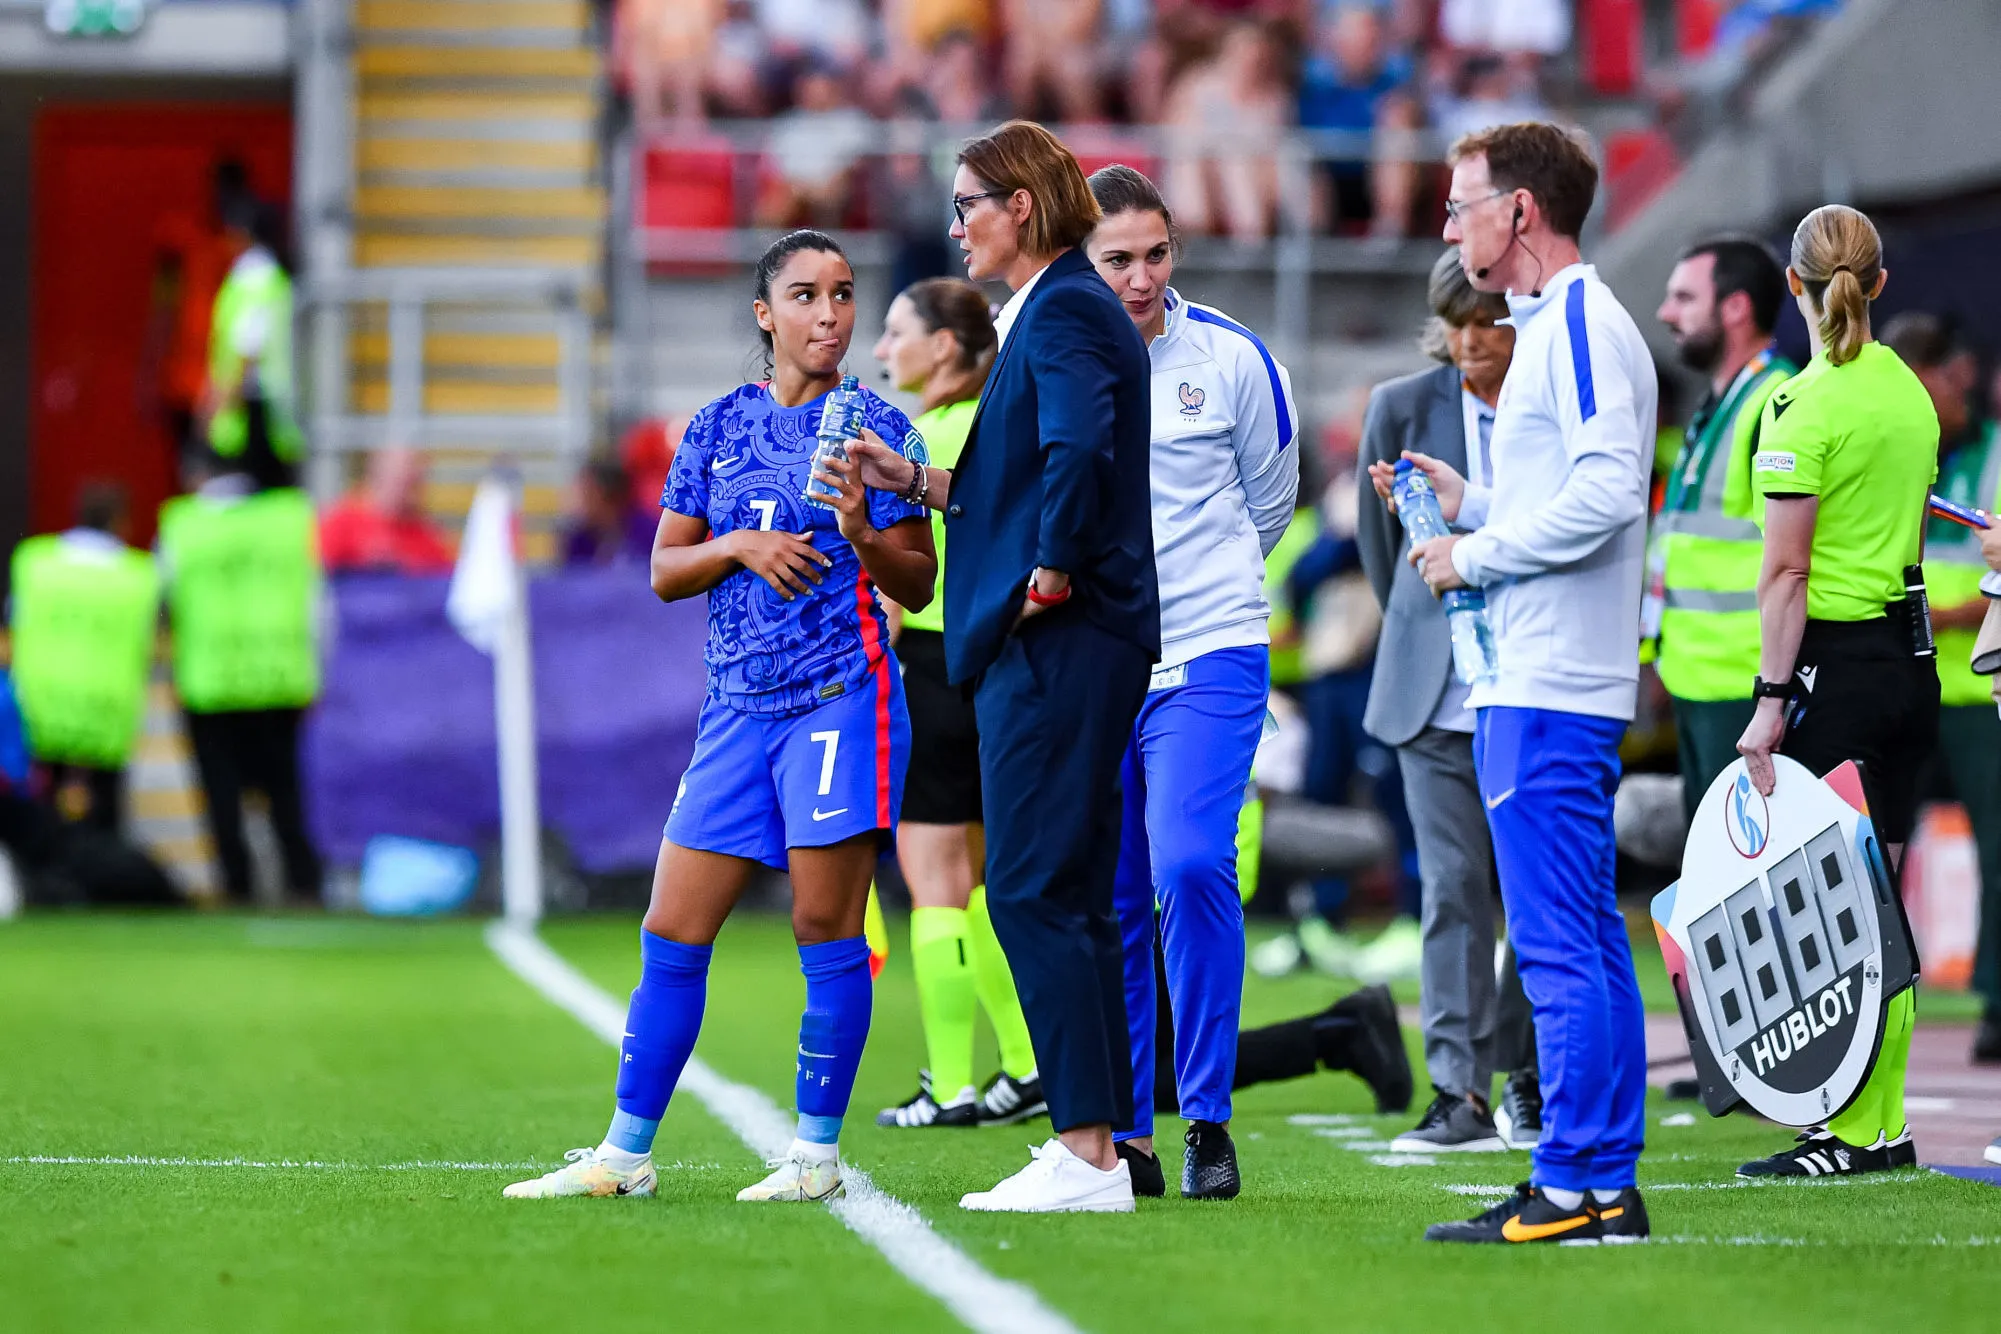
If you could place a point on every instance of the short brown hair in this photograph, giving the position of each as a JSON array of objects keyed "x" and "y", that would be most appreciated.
[
  {"x": 1550, "y": 162},
  {"x": 1455, "y": 303},
  {"x": 1022, "y": 155}
]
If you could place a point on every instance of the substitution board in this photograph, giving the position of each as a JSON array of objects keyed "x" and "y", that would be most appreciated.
[{"x": 1785, "y": 941}]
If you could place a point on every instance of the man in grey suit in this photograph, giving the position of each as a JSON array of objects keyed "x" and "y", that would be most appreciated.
[{"x": 1472, "y": 1025}]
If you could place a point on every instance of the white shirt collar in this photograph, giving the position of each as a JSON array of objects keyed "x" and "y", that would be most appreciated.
[
  {"x": 92, "y": 542},
  {"x": 1522, "y": 307},
  {"x": 1009, "y": 313}
]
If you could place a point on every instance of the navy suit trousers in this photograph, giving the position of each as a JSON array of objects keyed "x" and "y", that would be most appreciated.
[{"x": 1056, "y": 712}]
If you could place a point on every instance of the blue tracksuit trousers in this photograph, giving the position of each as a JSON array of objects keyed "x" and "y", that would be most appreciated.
[
  {"x": 1548, "y": 779},
  {"x": 1185, "y": 775}
]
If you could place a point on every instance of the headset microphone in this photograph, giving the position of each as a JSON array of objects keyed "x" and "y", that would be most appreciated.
[{"x": 1514, "y": 235}]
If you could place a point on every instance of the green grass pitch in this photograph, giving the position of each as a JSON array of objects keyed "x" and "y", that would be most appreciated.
[{"x": 407, "y": 1076}]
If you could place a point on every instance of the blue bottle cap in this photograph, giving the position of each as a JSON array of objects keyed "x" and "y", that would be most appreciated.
[{"x": 1404, "y": 466}]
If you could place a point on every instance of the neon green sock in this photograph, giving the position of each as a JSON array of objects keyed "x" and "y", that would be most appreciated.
[
  {"x": 1879, "y": 1109},
  {"x": 995, "y": 981},
  {"x": 939, "y": 956}
]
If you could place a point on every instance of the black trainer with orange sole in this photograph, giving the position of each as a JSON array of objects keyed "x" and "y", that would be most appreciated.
[{"x": 1524, "y": 1217}]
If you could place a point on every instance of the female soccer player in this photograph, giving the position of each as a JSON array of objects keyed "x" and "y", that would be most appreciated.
[
  {"x": 938, "y": 343},
  {"x": 1224, "y": 478},
  {"x": 1847, "y": 453},
  {"x": 800, "y": 751}
]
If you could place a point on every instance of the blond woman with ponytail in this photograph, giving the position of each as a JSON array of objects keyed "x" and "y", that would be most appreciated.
[{"x": 1847, "y": 451}]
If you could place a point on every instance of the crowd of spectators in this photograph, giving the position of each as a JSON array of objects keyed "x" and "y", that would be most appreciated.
[{"x": 1223, "y": 80}]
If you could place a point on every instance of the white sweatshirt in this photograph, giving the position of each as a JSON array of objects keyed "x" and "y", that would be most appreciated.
[
  {"x": 1560, "y": 537},
  {"x": 1225, "y": 468}
]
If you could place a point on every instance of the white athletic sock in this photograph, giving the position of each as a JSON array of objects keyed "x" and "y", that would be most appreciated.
[
  {"x": 1563, "y": 1199},
  {"x": 612, "y": 1156},
  {"x": 1605, "y": 1196},
  {"x": 814, "y": 1153}
]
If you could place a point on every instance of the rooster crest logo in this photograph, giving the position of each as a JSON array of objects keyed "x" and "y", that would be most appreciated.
[{"x": 1191, "y": 400}]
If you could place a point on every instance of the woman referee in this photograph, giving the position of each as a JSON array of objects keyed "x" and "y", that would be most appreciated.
[{"x": 1848, "y": 451}]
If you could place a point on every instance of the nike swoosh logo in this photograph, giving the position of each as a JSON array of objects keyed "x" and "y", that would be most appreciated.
[
  {"x": 1492, "y": 802},
  {"x": 819, "y": 814},
  {"x": 1618, "y": 1212},
  {"x": 1516, "y": 1230}
]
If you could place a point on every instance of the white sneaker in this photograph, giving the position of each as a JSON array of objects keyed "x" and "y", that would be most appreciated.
[
  {"x": 1994, "y": 1151},
  {"x": 1057, "y": 1181},
  {"x": 797, "y": 1179},
  {"x": 585, "y": 1172}
]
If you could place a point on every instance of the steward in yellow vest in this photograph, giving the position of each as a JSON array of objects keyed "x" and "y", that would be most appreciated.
[
  {"x": 85, "y": 610},
  {"x": 252, "y": 407},
  {"x": 242, "y": 574},
  {"x": 1700, "y": 614}
]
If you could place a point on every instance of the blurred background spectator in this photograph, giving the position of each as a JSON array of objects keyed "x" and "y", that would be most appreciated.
[
  {"x": 815, "y": 149},
  {"x": 609, "y": 527},
  {"x": 1354, "y": 82},
  {"x": 1224, "y": 118},
  {"x": 382, "y": 524}
]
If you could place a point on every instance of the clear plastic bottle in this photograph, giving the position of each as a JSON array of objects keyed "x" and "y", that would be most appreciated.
[
  {"x": 1473, "y": 657},
  {"x": 840, "y": 422}
]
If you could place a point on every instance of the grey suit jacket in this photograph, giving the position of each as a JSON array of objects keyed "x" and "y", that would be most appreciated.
[{"x": 1422, "y": 413}]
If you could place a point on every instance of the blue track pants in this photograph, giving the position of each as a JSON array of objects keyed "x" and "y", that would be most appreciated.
[
  {"x": 1548, "y": 779},
  {"x": 1185, "y": 775}
]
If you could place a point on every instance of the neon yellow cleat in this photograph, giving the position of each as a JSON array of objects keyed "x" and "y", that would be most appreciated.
[
  {"x": 584, "y": 1173},
  {"x": 796, "y": 1179}
]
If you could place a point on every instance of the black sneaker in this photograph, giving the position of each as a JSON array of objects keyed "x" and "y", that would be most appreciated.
[
  {"x": 1452, "y": 1124},
  {"x": 1622, "y": 1221},
  {"x": 1527, "y": 1215},
  {"x": 1822, "y": 1155},
  {"x": 1903, "y": 1150},
  {"x": 1149, "y": 1181},
  {"x": 1987, "y": 1039},
  {"x": 1209, "y": 1164},
  {"x": 1360, "y": 1032},
  {"x": 1519, "y": 1117},
  {"x": 921, "y": 1110},
  {"x": 1007, "y": 1100}
]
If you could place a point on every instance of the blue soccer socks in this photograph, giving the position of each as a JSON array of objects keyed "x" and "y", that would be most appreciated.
[
  {"x": 832, "y": 1033},
  {"x": 661, "y": 1022}
]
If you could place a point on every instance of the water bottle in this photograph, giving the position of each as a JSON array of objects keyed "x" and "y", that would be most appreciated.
[
  {"x": 840, "y": 422},
  {"x": 1473, "y": 658}
]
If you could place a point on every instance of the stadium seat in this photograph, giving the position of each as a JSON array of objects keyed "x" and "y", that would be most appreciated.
[
  {"x": 1639, "y": 164},
  {"x": 1695, "y": 26},
  {"x": 687, "y": 185},
  {"x": 1609, "y": 50}
]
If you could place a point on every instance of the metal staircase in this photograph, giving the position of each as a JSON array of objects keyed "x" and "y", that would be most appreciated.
[{"x": 453, "y": 225}]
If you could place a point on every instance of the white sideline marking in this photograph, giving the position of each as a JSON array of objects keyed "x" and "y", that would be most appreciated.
[
  {"x": 977, "y": 1298},
  {"x": 284, "y": 1164}
]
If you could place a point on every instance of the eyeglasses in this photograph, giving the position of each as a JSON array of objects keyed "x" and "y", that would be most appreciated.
[
  {"x": 959, "y": 202},
  {"x": 1455, "y": 209}
]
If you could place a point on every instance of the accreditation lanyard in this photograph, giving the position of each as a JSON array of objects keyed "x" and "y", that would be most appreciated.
[{"x": 1707, "y": 431}]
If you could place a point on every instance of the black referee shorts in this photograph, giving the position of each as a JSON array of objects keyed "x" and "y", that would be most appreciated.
[
  {"x": 942, "y": 785},
  {"x": 1858, "y": 694}
]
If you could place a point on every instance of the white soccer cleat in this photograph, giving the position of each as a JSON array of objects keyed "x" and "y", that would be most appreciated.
[
  {"x": 796, "y": 1179},
  {"x": 1057, "y": 1181},
  {"x": 584, "y": 1172}
]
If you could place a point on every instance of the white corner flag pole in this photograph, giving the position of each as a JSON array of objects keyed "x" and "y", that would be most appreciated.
[{"x": 488, "y": 604}]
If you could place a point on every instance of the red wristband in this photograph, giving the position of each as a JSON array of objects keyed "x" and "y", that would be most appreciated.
[{"x": 1055, "y": 600}]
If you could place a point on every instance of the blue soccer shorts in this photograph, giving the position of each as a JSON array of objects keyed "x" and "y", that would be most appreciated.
[{"x": 758, "y": 786}]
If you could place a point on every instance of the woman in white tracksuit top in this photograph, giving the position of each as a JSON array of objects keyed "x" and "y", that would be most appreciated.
[{"x": 1225, "y": 469}]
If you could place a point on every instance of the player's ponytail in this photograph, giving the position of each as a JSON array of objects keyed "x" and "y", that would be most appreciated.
[
  {"x": 1838, "y": 258},
  {"x": 773, "y": 259}
]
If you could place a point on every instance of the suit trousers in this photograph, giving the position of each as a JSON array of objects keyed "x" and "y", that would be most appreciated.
[
  {"x": 1056, "y": 712},
  {"x": 1470, "y": 1028}
]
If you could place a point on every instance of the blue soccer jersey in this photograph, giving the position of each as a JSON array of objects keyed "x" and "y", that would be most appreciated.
[{"x": 743, "y": 463}]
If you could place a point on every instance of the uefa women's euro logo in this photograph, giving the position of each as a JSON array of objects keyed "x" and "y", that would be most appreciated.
[{"x": 1746, "y": 818}]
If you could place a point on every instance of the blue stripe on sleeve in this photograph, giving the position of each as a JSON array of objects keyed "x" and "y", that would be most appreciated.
[
  {"x": 1580, "y": 351},
  {"x": 1201, "y": 316}
]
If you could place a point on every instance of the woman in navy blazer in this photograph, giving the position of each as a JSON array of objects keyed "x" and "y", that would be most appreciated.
[{"x": 1052, "y": 616}]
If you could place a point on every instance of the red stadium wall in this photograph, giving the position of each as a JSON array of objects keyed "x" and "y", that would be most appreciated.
[{"x": 108, "y": 183}]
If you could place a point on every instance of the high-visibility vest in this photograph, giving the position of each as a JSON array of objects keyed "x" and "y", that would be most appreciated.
[
  {"x": 1953, "y": 566},
  {"x": 1288, "y": 663},
  {"x": 1707, "y": 547},
  {"x": 242, "y": 582},
  {"x": 254, "y": 308},
  {"x": 83, "y": 645}
]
